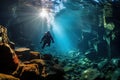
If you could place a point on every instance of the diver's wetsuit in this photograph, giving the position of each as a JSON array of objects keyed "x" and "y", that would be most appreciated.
[{"x": 46, "y": 39}]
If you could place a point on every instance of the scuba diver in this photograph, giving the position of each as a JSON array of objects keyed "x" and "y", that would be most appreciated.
[{"x": 46, "y": 39}]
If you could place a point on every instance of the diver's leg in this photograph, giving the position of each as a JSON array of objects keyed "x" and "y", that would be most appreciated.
[
  {"x": 49, "y": 44},
  {"x": 43, "y": 45}
]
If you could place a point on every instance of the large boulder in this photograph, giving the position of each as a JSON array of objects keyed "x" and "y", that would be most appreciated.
[
  {"x": 41, "y": 65},
  {"x": 25, "y": 54},
  {"x": 57, "y": 73},
  {"x": 27, "y": 72},
  {"x": 8, "y": 59},
  {"x": 30, "y": 72}
]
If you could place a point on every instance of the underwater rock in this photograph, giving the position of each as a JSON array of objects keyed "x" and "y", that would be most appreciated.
[
  {"x": 102, "y": 64},
  {"x": 73, "y": 53},
  {"x": 102, "y": 49},
  {"x": 12, "y": 44},
  {"x": 116, "y": 74},
  {"x": 54, "y": 77},
  {"x": 47, "y": 57},
  {"x": 58, "y": 70},
  {"x": 7, "y": 77},
  {"x": 84, "y": 63},
  {"x": 30, "y": 72},
  {"x": 8, "y": 59},
  {"x": 68, "y": 68},
  {"x": 91, "y": 54},
  {"x": 116, "y": 62},
  {"x": 41, "y": 64},
  {"x": 38, "y": 61},
  {"x": 27, "y": 72},
  {"x": 56, "y": 73},
  {"x": 54, "y": 70},
  {"x": 49, "y": 69},
  {"x": 23, "y": 53},
  {"x": 22, "y": 49},
  {"x": 3, "y": 35},
  {"x": 110, "y": 26},
  {"x": 34, "y": 55},
  {"x": 90, "y": 74}
]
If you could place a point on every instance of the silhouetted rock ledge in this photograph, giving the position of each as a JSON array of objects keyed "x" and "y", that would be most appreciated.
[{"x": 28, "y": 66}]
